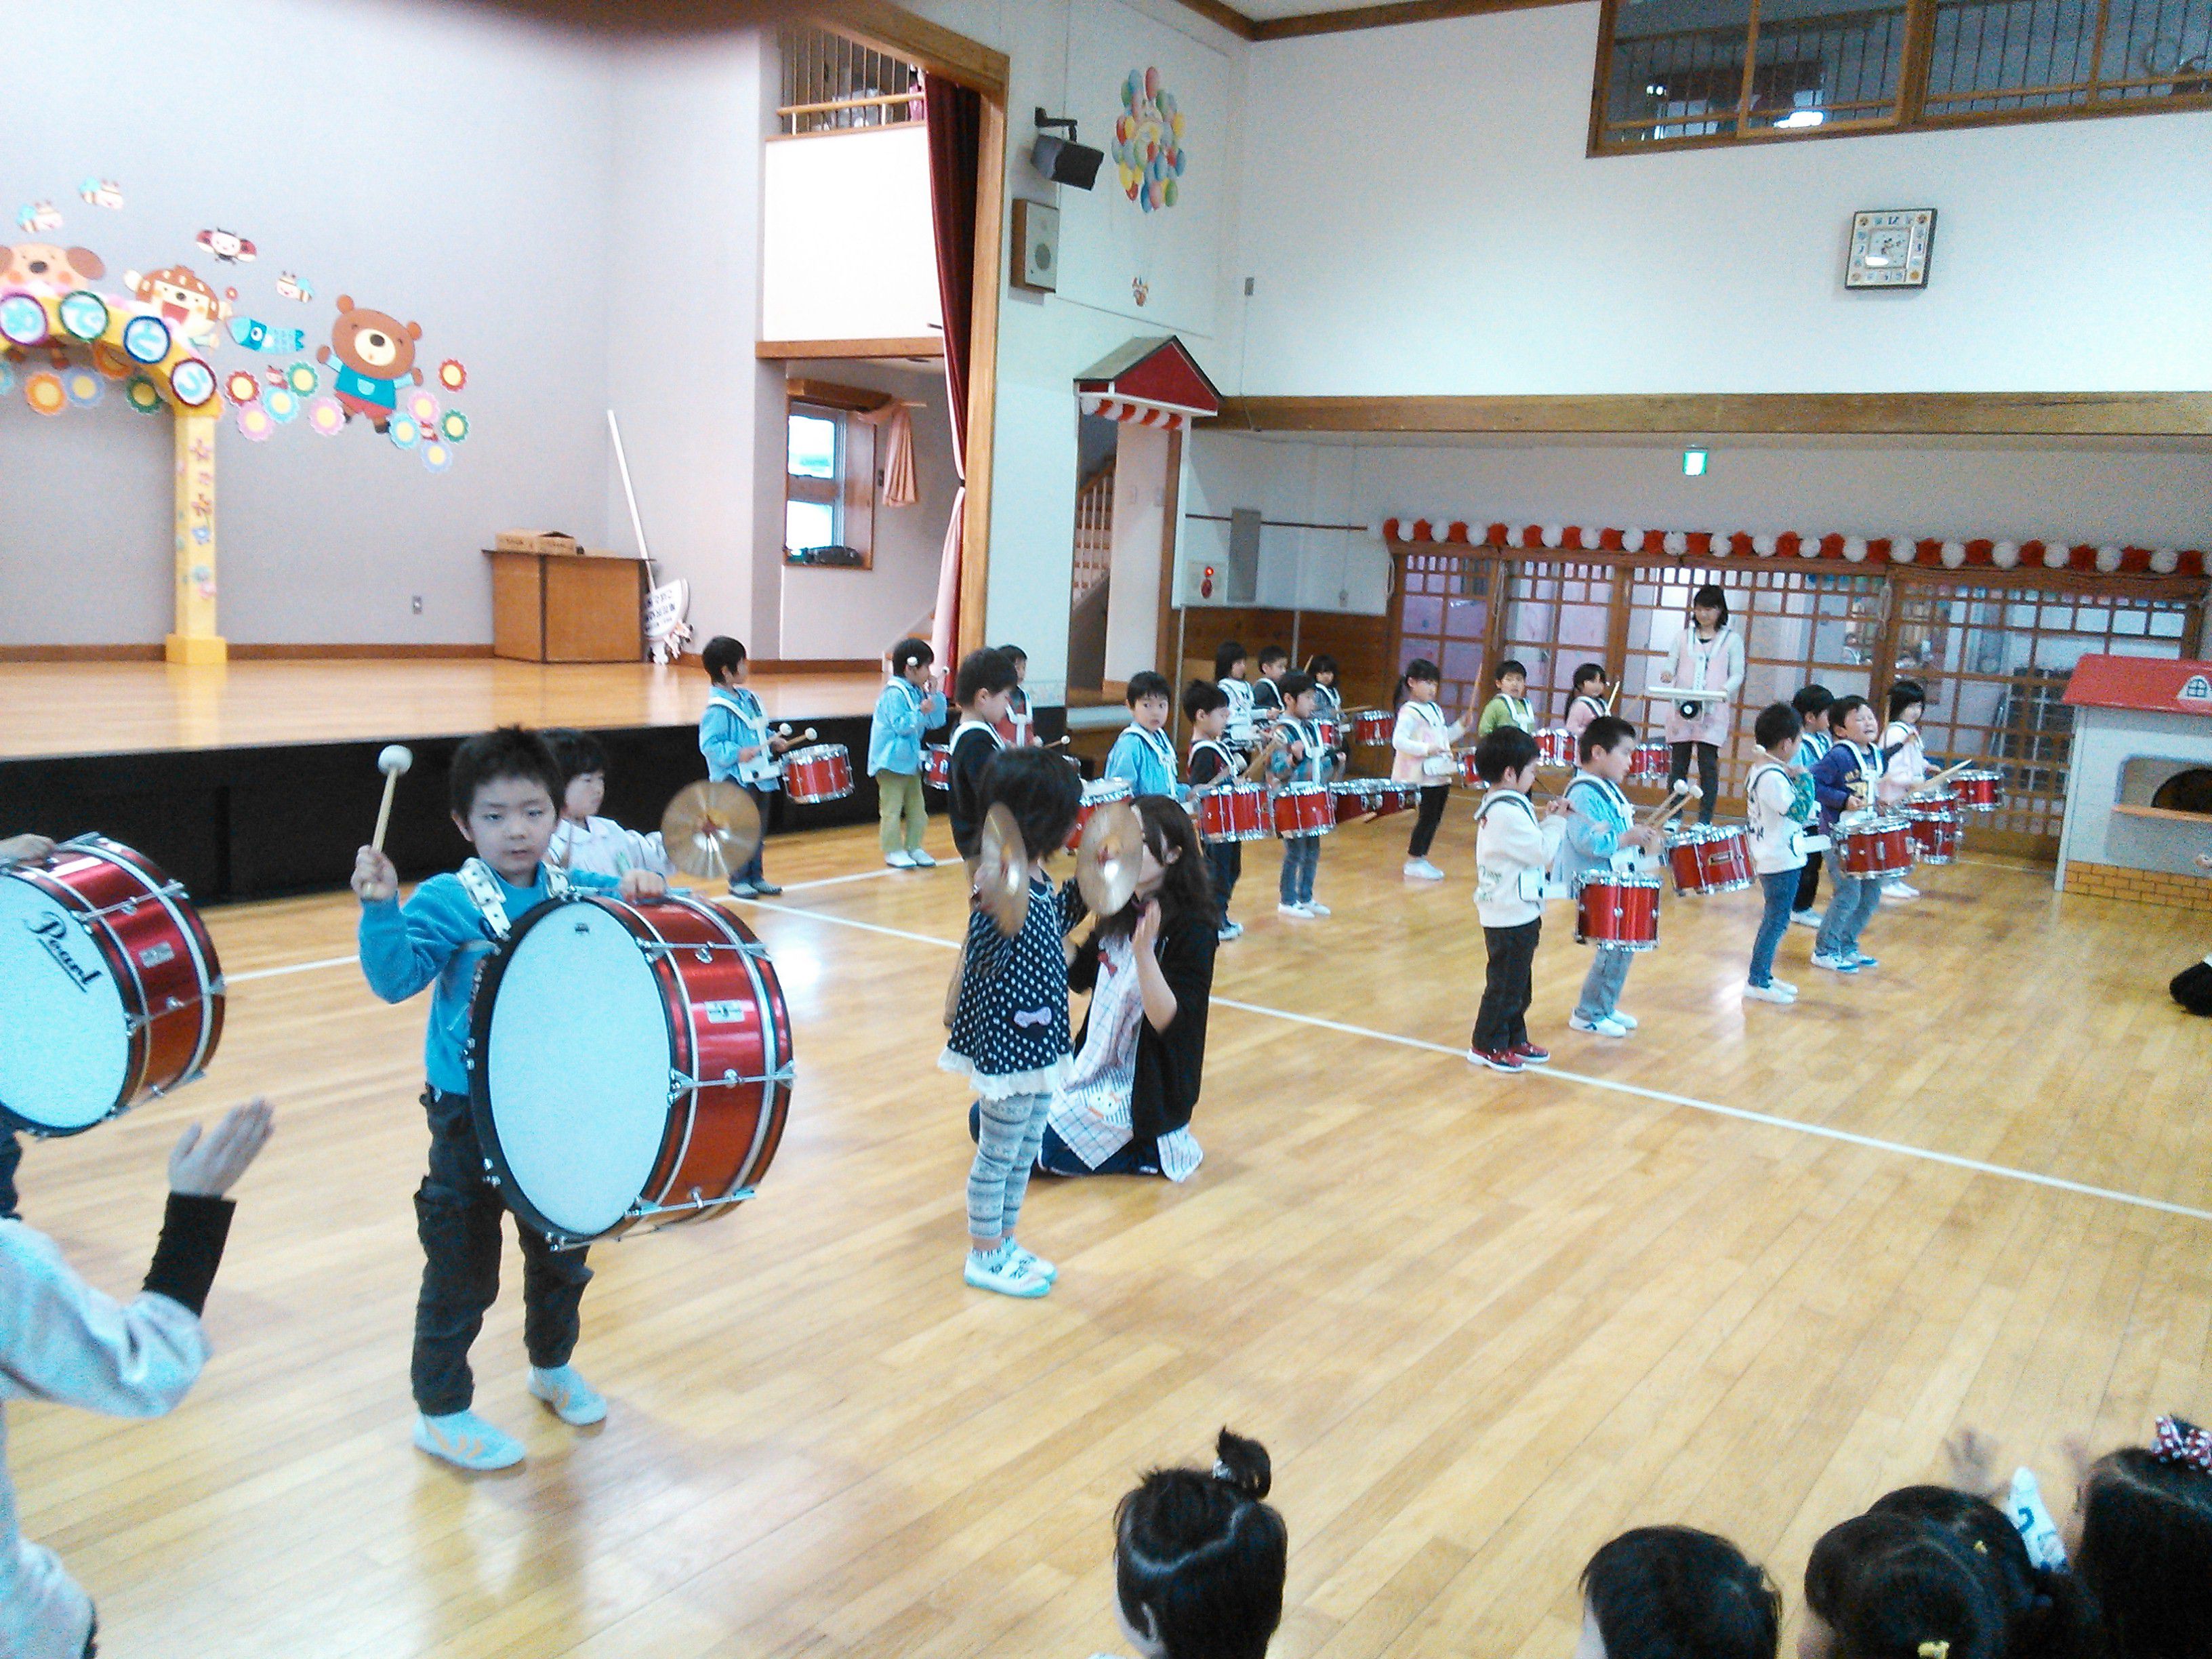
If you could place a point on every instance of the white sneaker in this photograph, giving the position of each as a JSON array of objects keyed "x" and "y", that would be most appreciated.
[
  {"x": 1774, "y": 991},
  {"x": 1608, "y": 1025},
  {"x": 1223, "y": 935},
  {"x": 1037, "y": 1265},
  {"x": 1836, "y": 964},
  {"x": 466, "y": 1441},
  {"x": 1620, "y": 1018},
  {"x": 1315, "y": 908},
  {"x": 1298, "y": 910},
  {"x": 1005, "y": 1273},
  {"x": 1422, "y": 870},
  {"x": 1807, "y": 918},
  {"x": 920, "y": 860},
  {"x": 1898, "y": 890},
  {"x": 574, "y": 1401},
  {"x": 899, "y": 861}
]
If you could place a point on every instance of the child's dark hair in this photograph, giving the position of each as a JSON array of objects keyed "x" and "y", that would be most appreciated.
[
  {"x": 1777, "y": 723},
  {"x": 1713, "y": 598},
  {"x": 574, "y": 753},
  {"x": 1591, "y": 673},
  {"x": 1419, "y": 669},
  {"x": 1039, "y": 787},
  {"x": 1842, "y": 709},
  {"x": 980, "y": 672},
  {"x": 1812, "y": 700},
  {"x": 910, "y": 650},
  {"x": 2048, "y": 1615},
  {"x": 1896, "y": 1587},
  {"x": 1294, "y": 684},
  {"x": 720, "y": 654},
  {"x": 2146, "y": 1536},
  {"x": 1607, "y": 732},
  {"x": 1677, "y": 1593},
  {"x": 508, "y": 752},
  {"x": 1226, "y": 656},
  {"x": 1147, "y": 682},
  {"x": 1510, "y": 666},
  {"x": 1906, "y": 694},
  {"x": 1272, "y": 655},
  {"x": 1185, "y": 889},
  {"x": 1320, "y": 663},
  {"x": 1014, "y": 654},
  {"x": 1199, "y": 1560},
  {"x": 1202, "y": 697},
  {"x": 1507, "y": 749}
]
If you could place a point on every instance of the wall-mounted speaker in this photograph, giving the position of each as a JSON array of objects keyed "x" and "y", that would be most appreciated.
[{"x": 1035, "y": 263}]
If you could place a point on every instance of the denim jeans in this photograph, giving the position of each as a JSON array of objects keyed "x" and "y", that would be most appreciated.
[
  {"x": 1608, "y": 972},
  {"x": 763, "y": 798},
  {"x": 1781, "y": 889},
  {"x": 1855, "y": 899},
  {"x": 1301, "y": 858}
]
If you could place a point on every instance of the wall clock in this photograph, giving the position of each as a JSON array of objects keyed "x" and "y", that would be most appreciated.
[{"x": 1891, "y": 247}]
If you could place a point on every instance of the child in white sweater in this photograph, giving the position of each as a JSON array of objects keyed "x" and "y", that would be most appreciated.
[
  {"x": 1513, "y": 848},
  {"x": 1777, "y": 805},
  {"x": 583, "y": 840}
]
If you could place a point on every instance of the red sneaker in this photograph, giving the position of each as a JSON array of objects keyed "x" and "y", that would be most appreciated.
[
  {"x": 1529, "y": 1054},
  {"x": 1498, "y": 1060}
]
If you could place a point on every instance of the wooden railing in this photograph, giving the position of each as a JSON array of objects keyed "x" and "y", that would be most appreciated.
[{"x": 1094, "y": 531}]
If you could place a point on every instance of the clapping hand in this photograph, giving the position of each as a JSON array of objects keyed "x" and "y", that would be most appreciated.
[{"x": 210, "y": 1166}]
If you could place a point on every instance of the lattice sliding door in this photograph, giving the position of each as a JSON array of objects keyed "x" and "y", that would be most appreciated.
[
  {"x": 1557, "y": 618},
  {"x": 1444, "y": 614}
]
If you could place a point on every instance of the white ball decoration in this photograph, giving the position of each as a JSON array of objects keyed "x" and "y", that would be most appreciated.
[
  {"x": 1676, "y": 543},
  {"x": 1953, "y": 555},
  {"x": 1632, "y": 541},
  {"x": 2164, "y": 561},
  {"x": 1903, "y": 549},
  {"x": 2056, "y": 554},
  {"x": 2108, "y": 558},
  {"x": 1554, "y": 535},
  {"x": 1855, "y": 549},
  {"x": 1719, "y": 541},
  {"x": 2005, "y": 555},
  {"x": 1763, "y": 545},
  {"x": 1808, "y": 544}
]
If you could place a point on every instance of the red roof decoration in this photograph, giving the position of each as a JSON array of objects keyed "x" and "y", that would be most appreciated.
[
  {"x": 2161, "y": 685},
  {"x": 1154, "y": 382}
]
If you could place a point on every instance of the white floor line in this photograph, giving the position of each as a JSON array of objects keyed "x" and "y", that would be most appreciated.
[
  {"x": 289, "y": 968},
  {"x": 1767, "y": 1120},
  {"x": 839, "y": 881}
]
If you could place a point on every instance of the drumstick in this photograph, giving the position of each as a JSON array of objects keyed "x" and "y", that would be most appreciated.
[
  {"x": 1691, "y": 791},
  {"x": 392, "y": 761},
  {"x": 1953, "y": 771},
  {"x": 1675, "y": 792}
]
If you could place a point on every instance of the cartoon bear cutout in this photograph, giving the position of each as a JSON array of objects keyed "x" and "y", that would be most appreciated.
[{"x": 375, "y": 356}]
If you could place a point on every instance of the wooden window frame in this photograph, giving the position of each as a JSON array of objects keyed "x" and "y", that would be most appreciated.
[
  {"x": 853, "y": 490},
  {"x": 1911, "y": 91}
]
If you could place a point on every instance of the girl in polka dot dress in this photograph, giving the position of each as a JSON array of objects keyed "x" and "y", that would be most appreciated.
[{"x": 1010, "y": 1026}]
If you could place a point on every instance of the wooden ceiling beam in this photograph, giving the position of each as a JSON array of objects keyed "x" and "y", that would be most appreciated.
[{"x": 1348, "y": 18}]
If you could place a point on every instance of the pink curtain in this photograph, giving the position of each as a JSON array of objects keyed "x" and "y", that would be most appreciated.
[{"x": 954, "y": 114}]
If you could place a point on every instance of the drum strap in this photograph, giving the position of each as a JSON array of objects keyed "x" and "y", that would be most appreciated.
[
  {"x": 1497, "y": 795},
  {"x": 1221, "y": 752},
  {"x": 483, "y": 889}
]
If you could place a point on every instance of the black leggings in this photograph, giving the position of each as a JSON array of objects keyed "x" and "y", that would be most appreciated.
[
  {"x": 1709, "y": 773},
  {"x": 1809, "y": 883},
  {"x": 1433, "y": 802}
]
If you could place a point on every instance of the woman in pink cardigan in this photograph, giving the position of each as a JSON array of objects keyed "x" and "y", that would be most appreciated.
[{"x": 1708, "y": 658}]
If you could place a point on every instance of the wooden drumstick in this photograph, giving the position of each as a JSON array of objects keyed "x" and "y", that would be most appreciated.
[
  {"x": 1690, "y": 793},
  {"x": 392, "y": 760},
  {"x": 1953, "y": 771},
  {"x": 1675, "y": 792}
]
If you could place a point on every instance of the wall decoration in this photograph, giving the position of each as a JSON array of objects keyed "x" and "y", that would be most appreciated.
[
  {"x": 452, "y": 375},
  {"x": 324, "y": 418},
  {"x": 35, "y": 218},
  {"x": 402, "y": 431},
  {"x": 22, "y": 320},
  {"x": 188, "y": 305},
  {"x": 436, "y": 457},
  {"x": 146, "y": 339},
  {"x": 7, "y": 377},
  {"x": 375, "y": 353},
  {"x": 255, "y": 423},
  {"x": 289, "y": 287},
  {"x": 101, "y": 193},
  {"x": 83, "y": 385},
  {"x": 257, "y": 336},
  {"x": 423, "y": 404},
  {"x": 1148, "y": 153},
  {"x": 454, "y": 427},
  {"x": 83, "y": 314},
  {"x": 227, "y": 245},
  {"x": 46, "y": 268},
  {"x": 43, "y": 392},
  {"x": 191, "y": 382},
  {"x": 304, "y": 379},
  {"x": 282, "y": 406},
  {"x": 241, "y": 387},
  {"x": 142, "y": 395}
]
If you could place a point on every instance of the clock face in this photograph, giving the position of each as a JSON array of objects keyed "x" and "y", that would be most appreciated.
[{"x": 1891, "y": 248}]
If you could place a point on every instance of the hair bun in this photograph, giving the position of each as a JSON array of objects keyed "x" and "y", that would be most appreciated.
[{"x": 1243, "y": 1464}]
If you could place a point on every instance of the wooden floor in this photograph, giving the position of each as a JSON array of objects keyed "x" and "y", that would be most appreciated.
[
  {"x": 100, "y": 708},
  {"x": 1482, "y": 1323}
]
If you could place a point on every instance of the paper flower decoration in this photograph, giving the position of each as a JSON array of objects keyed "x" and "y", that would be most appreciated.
[
  {"x": 142, "y": 395},
  {"x": 83, "y": 385},
  {"x": 325, "y": 416},
  {"x": 282, "y": 405},
  {"x": 43, "y": 392},
  {"x": 454, "y": 427},
  {"x": 303, "y": 379},
  {"x": 423, "y": 404},
  {"x": 402, "y": 431},
  {"x": 436, "y": 456},
  {"x": 253, "y": 422},
  {"x": 451, "y": 374},
  {"x": 1148, "y": 153},
  {"x": 110, "y": 360},
  {"x": 241, "y": 387}
]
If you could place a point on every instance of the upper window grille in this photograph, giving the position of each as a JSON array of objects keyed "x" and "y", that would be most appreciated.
[{"x": 831, "y": 84}]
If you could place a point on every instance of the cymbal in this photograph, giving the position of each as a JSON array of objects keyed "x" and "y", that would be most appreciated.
[
  {"x": 1002, "y": 871},
  {"x": 711, "y": 830},
  {"x": 1108, "y": 857}
]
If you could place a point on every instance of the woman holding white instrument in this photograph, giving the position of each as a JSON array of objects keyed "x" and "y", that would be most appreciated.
[{"x": 1708, "y": 658}]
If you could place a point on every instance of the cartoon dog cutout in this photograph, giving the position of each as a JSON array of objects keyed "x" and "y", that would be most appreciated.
[
  {"x": 375, "y": 356},
  {"x": 43, "y": 268},
  {"x": 188, "y": 305}
]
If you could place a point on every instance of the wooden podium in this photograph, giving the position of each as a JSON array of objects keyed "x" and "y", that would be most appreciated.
[{"x": 567, "y": 607}]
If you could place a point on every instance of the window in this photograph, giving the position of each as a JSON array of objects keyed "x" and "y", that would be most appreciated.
[
  {"x": 829, "y": 480},
  {"x": 1706, "y": 71},
  {"x": 811, "y": 484}
]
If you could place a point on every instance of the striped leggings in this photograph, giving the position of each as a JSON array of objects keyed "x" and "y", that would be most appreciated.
[{"x": 1007, "y": 1141}]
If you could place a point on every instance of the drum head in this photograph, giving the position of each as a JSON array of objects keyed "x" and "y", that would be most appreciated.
[
  {"x": 572, "y": 1093},
  {"x": 63, "y": 1066}
]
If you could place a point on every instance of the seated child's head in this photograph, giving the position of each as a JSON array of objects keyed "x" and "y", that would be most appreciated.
[
  {"x": 1150, "y": 698},
  {"x": 1590, "y": 680},
  {"x": 1423, "y": 679},
  {"x": 1778, "y": 730},
  {"x": 1040, "y": 788},
  {"x": 2047, "y": 1616},
  {"x": 2144, "y": 1517},
  {"x": 1813, "y": 700},
  {"x": 1229, "y": 660},
  {"x": 1898, "y": 1587},
  {"x": 724, "y": 660},
  {"x": 985, "y": 684},
  {"x": 1853, "y": 717},
  {"x": 1205, "y": 706},
  {"x": 910, "y": 659},
  {"x": 1676, "y": 1593},
  {"x": 1907, "y": 699},
  {"x": 1297, "y": 691},
  {"x": 1608, "y": 747},
  {"x": 1507, "y": 759},
  {"x": 1274, "y": 661},
  {"x": 1019, "y": 658},
  {"x": 504, "y": 785},
  {"x": 583, "y": 765},
  {"x": 1512, "y": 678},
  {"x": 1200, "y": 1559},
  {"x": 1322, "y": 668}
]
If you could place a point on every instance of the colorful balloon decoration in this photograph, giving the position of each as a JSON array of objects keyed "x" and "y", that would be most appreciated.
[{"x": 1148, "y": 152}]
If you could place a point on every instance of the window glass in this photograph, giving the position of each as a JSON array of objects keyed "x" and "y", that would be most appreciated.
[
  {"x": 809, "y": 525},
  {"x": 813, "y": 448}
]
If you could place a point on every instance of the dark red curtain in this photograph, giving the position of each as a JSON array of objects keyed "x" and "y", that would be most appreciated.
[{"x": 955, "y": 118}]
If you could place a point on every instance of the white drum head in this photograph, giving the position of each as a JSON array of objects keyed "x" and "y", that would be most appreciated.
[
  {"x": 578, "y": 1063},
  {"x": 65, "y": 1038}
]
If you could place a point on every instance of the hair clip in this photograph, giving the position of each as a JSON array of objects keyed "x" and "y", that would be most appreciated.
[
  {"x": 2176, "y": 1442},
  {"x": 1980, "y": 1549},
  {"x": 1935, "y": 1650}
]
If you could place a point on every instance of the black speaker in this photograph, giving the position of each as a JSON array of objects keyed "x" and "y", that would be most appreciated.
[{"x": 1067, "y": 162}]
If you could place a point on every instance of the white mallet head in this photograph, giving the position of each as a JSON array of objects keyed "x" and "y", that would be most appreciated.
[{"x": 394, "y": 759}]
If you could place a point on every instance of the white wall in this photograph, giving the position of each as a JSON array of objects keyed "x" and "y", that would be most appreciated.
[
  {"x": 1421, "y": 217},
  {"x": 849, "y": 251}
]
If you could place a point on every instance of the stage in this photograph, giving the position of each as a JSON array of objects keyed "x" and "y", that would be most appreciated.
[{"x": 255, "y": 779}]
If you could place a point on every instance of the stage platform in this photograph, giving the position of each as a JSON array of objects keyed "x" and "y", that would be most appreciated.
[{"x": 256, "y": 779}]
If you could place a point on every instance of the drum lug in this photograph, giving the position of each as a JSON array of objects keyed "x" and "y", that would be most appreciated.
[{"x": 703, "y": 954}]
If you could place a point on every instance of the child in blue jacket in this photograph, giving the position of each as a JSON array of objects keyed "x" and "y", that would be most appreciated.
[
  {"x": 733, "y": 736},
  {"x": 1599, "y": 823},
  {"x": 909, "y": 707}
]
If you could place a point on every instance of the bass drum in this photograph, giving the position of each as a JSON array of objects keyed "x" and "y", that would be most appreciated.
[{"x": 630, "y": 1066}]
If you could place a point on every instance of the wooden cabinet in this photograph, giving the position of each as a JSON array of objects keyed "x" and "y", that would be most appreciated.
[{"x": 567, "y": 607}]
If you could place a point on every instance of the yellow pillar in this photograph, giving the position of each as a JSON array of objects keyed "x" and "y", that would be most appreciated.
[{"x": 196, "y": 640}]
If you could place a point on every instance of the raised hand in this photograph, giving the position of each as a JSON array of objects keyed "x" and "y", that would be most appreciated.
[
  {"x": 210, "y": 1166},
  {"x": 375, "y": 878}
]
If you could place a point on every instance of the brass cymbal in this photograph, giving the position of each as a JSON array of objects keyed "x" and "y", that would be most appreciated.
[
  {"x": 711, "y": 830},
  {"x": 1109, "y": 857},
  {"x": 1002, "y": 871}
]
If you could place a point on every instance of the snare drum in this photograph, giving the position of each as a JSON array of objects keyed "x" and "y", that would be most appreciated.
[
  {"x": 1330, "y": 732},
  {"x": 1880, "y": 847},
  {"x": 820, "y": 772},
  {"x": 1371, "y": 728},
  {"x": 1467, "y": 775},
  {"x": 1617, "y": 909},
  {"x": 1233, "y": 812},
  {"x": 665, "y": 1105},
  {"x": 1303, "y": 811},
  {"x": 1095, "y": 793},
  {"x": 1650, "y": 766},
  {"x": 1978, "y": 791},
  {"x": 1709, "y": 857},
  {"x": 110, "y": 990},
  {"x": 1555, "y": 746},
  {"x": 1393, "y": 797},
  {"x": 1356, "y": 797},
  {"x": 937, "y": 766},
  {"x": 1935, "y": 826}
]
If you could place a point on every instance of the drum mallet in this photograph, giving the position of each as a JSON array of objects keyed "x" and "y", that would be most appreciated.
[{"x": 392, "y": 761}]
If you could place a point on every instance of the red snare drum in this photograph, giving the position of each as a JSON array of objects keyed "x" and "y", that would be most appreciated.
[
  {"x": 1881, "y": 847},
  {"x": 1371, "y": 728},
  {"x": 1467, "y": 775},
  {"x": 1331, "y": 733},
  {"x": 1650, "y": 766},
  {"x": 667, "y": 1103},
  {"x": 1709, "y": 857},
  {"x": 937, "y": 766},
  {"x": 1233, "y": 812},
  {"x": 1393, "y": 797},
  {"x": 1978, "y": 791},
  {"x": 1095, "y": 793},
  {"x": 1935, "y": 826},
  {"x": 822, "y": 771},
  {"x": 1555, "y": 746},
  {"x": 1303, "y": 811},
  {"x": 1617, "y": 909},
  {"x": 110, "y": 990},
  {"x": 1356, "y": 797}
]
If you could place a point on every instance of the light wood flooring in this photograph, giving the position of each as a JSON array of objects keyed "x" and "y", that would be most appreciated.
[{"x": 1482, "y": 1323}]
